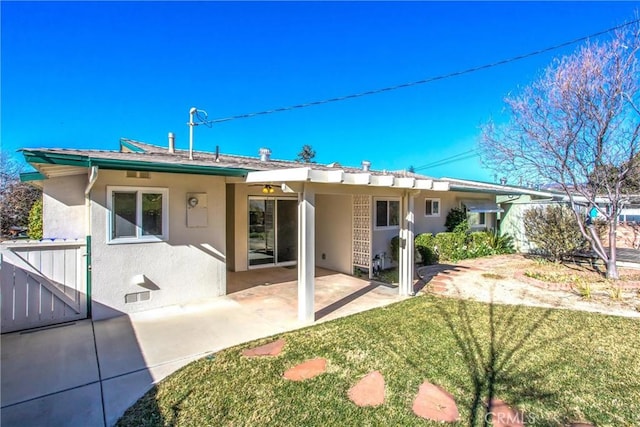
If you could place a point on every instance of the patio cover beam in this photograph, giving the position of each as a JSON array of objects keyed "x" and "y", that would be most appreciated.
[{"x": 307, "y": 174}]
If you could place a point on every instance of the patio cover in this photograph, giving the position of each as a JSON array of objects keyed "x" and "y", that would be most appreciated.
[{"x": 480, "y": 206}]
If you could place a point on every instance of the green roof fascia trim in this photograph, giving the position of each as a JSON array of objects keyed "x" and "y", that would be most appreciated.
[
  {"x": 130, "y": 146},
  {"x": 31, "y": 176},
  {"x": 116, "y": 164}
]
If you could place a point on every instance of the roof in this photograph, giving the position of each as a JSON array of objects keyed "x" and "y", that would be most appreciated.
[
  {"x": 497, "y": 189},
  {"x": 136, "y": 155},
  {"x": 139, "y": 156}
]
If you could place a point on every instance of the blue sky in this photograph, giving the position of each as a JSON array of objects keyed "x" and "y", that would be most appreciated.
[{"x": 84, "y": 74}]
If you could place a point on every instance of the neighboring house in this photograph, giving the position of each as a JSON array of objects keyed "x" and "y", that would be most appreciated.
[{"x": 164, "y": 229}]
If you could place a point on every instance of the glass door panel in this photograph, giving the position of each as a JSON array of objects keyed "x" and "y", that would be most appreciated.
[
  {"x": 261, "y": 232},
  {"x": 287, "y": 230}
]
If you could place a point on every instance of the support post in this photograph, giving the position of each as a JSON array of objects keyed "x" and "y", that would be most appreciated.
[
  {"x": 306, "y": 255},
  {"x": 406, "y": 257}
]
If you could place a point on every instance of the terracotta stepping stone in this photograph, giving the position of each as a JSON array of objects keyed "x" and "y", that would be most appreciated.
[
  {"x": 502, "y": 415},
  {"x": 272, "y": 349},
  {"x": 306, "y": 370},
  {"x": 434, "y": 403},
  {"x": 369, "y": 391}
]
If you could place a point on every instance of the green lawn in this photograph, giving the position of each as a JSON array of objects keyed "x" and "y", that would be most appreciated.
[{"x": 557, "y": 366}]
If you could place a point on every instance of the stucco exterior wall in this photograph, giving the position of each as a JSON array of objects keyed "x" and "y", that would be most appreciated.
[
  {"x": 63, "y": 207},
  {"x": 448, "y": 201},
  {"x": 334, "y": 232},
  {"x": 188, "y": 267},
  {"x": 230, "y": 226}
]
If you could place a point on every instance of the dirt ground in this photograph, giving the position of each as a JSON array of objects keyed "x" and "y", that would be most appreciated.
[{"x": 515, "y": 279}]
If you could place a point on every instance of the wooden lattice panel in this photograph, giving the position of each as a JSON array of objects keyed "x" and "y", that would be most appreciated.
[{"x": 362, "y": 231}]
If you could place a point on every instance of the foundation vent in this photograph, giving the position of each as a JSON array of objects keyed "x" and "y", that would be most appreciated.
[{"x": 137, "y": 297}]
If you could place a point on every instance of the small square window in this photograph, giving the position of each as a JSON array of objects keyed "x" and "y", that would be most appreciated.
[{"x": 431, "y": 207}]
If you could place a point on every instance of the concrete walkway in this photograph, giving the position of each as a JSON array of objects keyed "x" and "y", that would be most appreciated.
[{"x": 89, "y": 373}]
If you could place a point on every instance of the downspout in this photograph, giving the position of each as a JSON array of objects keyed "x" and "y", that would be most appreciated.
[{"x": 93, "y": 176}]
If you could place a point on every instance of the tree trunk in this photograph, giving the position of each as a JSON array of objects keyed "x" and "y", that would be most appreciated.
[{"x": 612, "y": 268}]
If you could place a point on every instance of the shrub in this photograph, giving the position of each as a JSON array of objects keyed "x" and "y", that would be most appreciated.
[
  {"x": 451, "y": 246},
  {"x": 34, "y": 230},
  {"x": 454, "y": 218},
  {"x": 554, "y": 231},
  {"x": 501, "y": 243},
  {"x": 425, "y": 246},
  {"x": 395, "y": 248},
  {"x": 455, "y": 246},
  {"x": 479, "y": 244}
]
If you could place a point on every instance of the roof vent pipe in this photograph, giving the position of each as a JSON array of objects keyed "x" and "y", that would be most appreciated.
[
  {"x": 265, "y": 154},
  {"x": 172, "y": 143},
  {"x": 366, "y": 165}
]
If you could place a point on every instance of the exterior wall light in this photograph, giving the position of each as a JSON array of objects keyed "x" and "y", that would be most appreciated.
[{"x": 267, "y": 189}]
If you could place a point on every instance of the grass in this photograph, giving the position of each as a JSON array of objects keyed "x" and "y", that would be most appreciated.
[
  {"x": 555, "y": 365},
  {"x": 389, "y": 275}
]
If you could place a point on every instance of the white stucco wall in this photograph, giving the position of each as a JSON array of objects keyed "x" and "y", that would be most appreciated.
[
  {"x": 334, "y": 232},
  {"x": 189, "y": 267},
  {"x": 63, "y": 207}
]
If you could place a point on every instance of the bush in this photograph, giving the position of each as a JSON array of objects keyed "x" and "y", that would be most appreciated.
[
  {"x": 554, "y": 231},
  {"x": 479, "y": 244},
  {"x": 455, "y": 246},
  {"x": 455, "y": 217},
  {"x": 501, "y": 243},
  {"x": 34, "y": 230},
  {"x": 451, "y": 246},
  {"x": 425, "y": 246}
]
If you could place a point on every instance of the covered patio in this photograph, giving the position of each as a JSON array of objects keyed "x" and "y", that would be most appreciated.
[{"x": 273, "y": 293}]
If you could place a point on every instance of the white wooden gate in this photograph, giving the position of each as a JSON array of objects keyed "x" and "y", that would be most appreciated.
[{"x": 42, "y": 283}]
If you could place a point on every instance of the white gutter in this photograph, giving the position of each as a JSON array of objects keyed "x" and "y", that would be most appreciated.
[{"x": 93, "y": 176}]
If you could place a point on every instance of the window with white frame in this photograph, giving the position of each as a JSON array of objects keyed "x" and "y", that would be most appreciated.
[
  {"x": 387, "y": 213},
  {"x": 431, "y": 207},
  {"x": 137, "y": 214}
]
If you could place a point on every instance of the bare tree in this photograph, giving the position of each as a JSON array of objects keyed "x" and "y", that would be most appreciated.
[
  {"x": 577, "y": 127},
  {"x": 16, "y": 197}
]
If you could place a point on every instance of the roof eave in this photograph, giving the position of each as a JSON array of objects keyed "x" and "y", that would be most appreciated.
[{"x": 64, "y": 159}]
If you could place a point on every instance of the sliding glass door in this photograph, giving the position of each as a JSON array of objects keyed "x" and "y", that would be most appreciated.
[{"x": 273, "y": 235}]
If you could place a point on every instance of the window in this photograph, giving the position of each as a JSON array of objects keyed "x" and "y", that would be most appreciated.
[
  {"x": 431, "y": 207},
  {"x": 387, "y": 213},
  {"x": 137, "y": 214},
  {"x": 476, "y": 219}
]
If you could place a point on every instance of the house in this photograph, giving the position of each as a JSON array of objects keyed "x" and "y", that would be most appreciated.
[{"x": 164, "y": 226}]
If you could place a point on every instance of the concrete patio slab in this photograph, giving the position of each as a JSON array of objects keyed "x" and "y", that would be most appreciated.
[
  {"x": 77, "y": 407},
  {"x": 48, "y": 360},
  {"x": 53, "y": 376}
]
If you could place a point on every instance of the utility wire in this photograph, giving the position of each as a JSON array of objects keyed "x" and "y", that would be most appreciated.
[
  {"x": 423, "y": 81},
  {"x": 461, "y": 156}
]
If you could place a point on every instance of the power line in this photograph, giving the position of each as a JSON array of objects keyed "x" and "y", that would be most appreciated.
[
  {"x": 451, "y": 159},
  {"x": 419, "y": 82}
]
